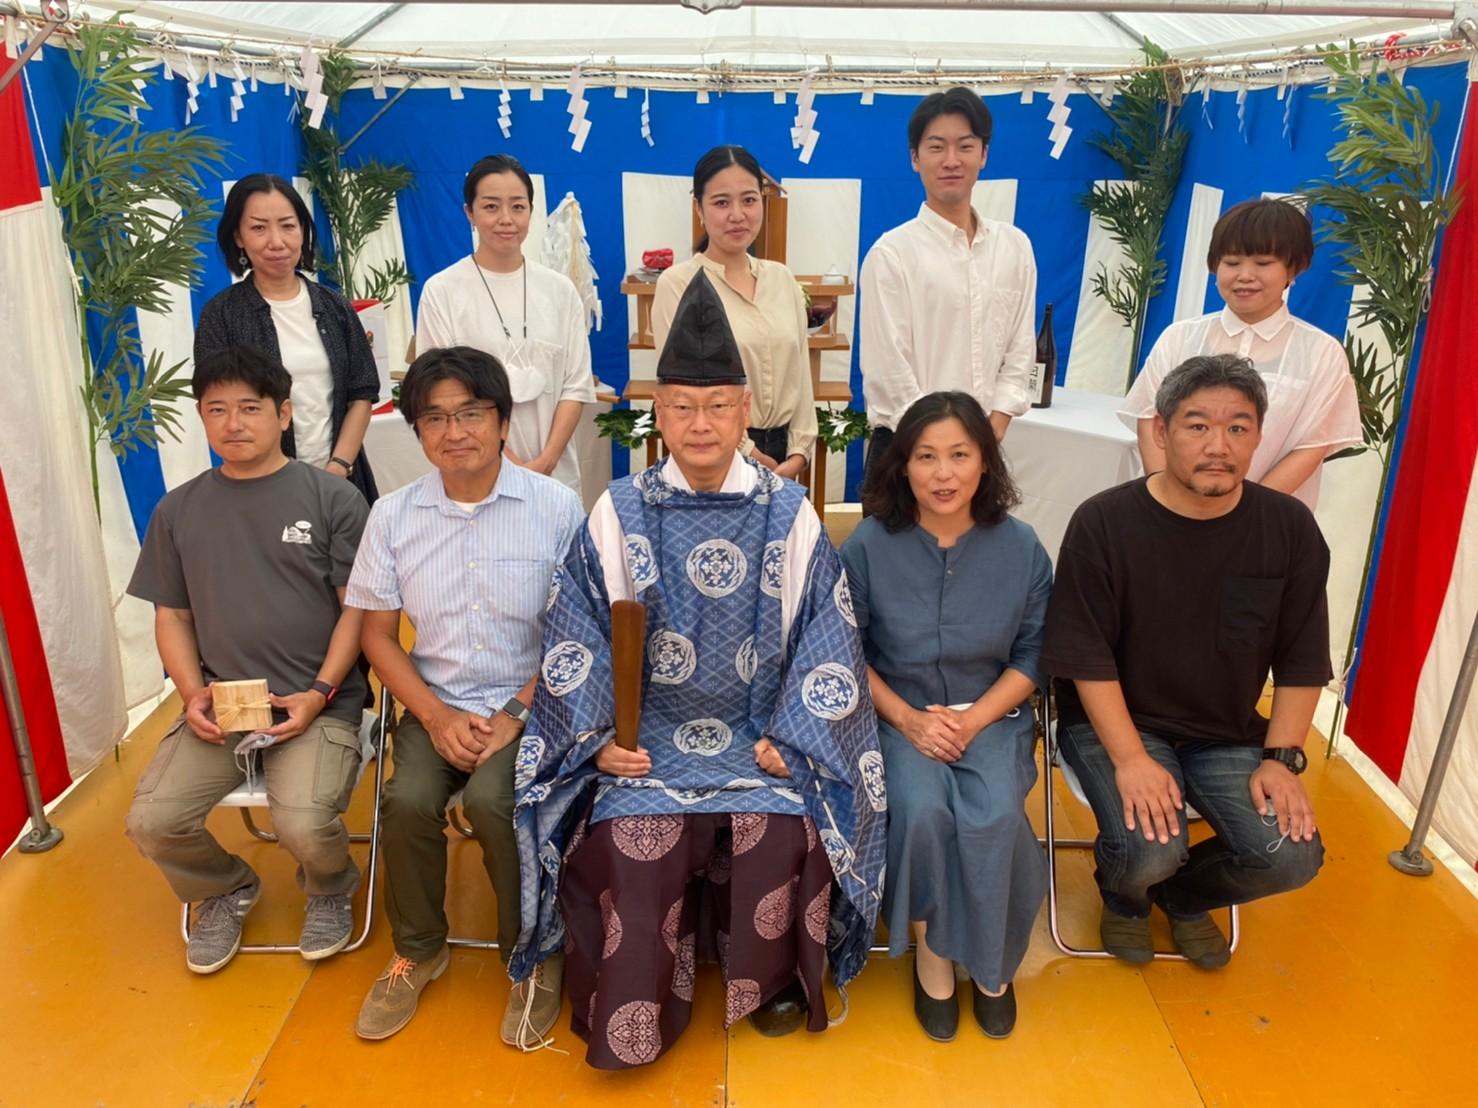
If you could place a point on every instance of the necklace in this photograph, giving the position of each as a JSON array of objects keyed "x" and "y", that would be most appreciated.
[{"x": 489, "y": 290}]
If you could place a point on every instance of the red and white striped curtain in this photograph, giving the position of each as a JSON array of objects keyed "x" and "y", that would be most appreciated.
[
  {"x": 53, "y": 576},
  {"x": 1426, "y": 585}
]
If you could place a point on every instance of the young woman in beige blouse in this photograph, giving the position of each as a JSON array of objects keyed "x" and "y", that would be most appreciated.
[{"x": 766, "y": 309}]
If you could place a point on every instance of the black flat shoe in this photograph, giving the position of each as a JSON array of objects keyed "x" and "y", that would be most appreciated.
[
  {"x": 995, "y": 1014},
  {"x": 783, "y": 1013},
  {"x": 940, "y": 1019}
]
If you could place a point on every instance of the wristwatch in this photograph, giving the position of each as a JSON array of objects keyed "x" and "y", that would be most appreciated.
[
  {"x": 328, "y": 691},
  {"x": 1291, "y": 756},
  {"x": 347, "y": 466},
  {"x": 517, "y": 709}
]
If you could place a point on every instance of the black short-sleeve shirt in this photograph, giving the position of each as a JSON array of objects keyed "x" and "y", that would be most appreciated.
[{"x": 1189, "y": 615}]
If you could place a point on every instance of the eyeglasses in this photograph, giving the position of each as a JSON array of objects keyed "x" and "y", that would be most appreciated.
[
  {"x": 718, "y": 410},
  {"x": 469, "y": 419}
]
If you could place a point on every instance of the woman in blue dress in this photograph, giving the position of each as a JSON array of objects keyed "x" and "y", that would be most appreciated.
[{"x": 950, "y": 594}]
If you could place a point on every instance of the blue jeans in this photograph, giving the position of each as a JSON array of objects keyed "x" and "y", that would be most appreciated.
[{"x": 1247, "y": 858}]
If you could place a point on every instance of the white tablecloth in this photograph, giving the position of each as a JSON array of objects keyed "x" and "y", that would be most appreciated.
[
  {"x": 1062, "y": 455},
  {"x": 396, "y": 457}
]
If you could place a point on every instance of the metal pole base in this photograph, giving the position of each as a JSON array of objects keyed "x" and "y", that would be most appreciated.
[
  {"x": 39, "y": 842},
  {"x": 1415, "y": 864}
]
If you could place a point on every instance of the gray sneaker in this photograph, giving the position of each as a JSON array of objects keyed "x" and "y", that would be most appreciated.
[
  {"x": 215, "y": 936},
  {"x": 326, "y": 926}
]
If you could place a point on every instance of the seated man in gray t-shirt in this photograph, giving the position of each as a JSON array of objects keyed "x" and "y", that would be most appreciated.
[{"x": 246, "y": 566}]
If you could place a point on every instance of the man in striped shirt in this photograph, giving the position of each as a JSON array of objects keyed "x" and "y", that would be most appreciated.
[{"x": 467, "y": 553}]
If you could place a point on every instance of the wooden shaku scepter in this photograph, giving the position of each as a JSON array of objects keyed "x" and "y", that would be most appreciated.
[{"x": 628, "y": 646}]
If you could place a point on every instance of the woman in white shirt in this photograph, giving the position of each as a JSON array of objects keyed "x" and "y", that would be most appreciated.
[
  {"x": 527, "y": 316},
  {"x": 765, "y": 307},
  {"x": 1257, "y": 249},
  {"x": 267, "y": 238}
]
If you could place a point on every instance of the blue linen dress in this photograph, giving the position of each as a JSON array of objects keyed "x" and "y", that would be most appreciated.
[{"x": 940, "y": 626}]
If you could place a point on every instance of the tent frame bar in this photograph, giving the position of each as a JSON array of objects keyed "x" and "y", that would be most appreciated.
[
  {"x": 1432, "y": 9},
  {"x": 202, "y": 31},
  {"x": 56, "y": 13}
]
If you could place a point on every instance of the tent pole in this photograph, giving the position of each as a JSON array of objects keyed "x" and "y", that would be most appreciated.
[
  {"x": 56, "y": 14},
  {"x": 43, "y": 835},
  {"x": 1393, "y": 9},
  {"x": 372, "y": 120},
  {"x": 1410, "y": 859},
  {"x": 368, "y": 26}
]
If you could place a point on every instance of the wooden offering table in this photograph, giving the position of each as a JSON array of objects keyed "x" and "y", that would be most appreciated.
[{"x": 823, "y": 338}]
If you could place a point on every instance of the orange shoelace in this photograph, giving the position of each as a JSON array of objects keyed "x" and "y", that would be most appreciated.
[{"x": 400, "y": 970}]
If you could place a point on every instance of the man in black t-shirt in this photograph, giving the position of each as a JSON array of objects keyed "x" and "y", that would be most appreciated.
[
  {"x": 1175, "y": 596},
  {"x": 246, "y": 566}
]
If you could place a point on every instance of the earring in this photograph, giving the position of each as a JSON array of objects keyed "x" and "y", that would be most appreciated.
[{"x": 243, "y": 261}]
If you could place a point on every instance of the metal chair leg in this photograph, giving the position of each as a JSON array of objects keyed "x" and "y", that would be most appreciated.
[
  {"x": 271, "y": 836},
  {"x": 257, "y": 832}
]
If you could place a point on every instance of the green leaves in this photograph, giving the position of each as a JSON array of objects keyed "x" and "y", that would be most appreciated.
[
  {"x": 134, "y": 218},
  {"x": 357, "y": 199},
  {"x": 628, "y": 427},
  {"x": 136, "y": 400},
  {"x": 1387, "y": 207},
  {"x": 1149, "y": 147},
  {"x": 837, "y": 430}
]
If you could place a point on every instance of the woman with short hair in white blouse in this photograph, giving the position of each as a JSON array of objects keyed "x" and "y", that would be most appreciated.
[
  {"x": 527, "y": 316},
  {"x": 1257, "y": 249},
  {"x": 765, "y": 307}
]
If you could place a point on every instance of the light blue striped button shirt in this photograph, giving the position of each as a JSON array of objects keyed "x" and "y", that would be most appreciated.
[{"x": 473, "y": 586}]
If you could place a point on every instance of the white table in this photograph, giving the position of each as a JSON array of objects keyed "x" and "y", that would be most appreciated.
[
  {"x": 396, "y": 457},
  {"x": 1062, "y": 455}
]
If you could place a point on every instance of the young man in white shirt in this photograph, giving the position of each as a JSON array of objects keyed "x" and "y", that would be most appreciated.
[{"x": 948, "y": 298}]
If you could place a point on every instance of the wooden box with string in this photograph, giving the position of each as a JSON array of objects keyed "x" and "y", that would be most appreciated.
[{"x": 241, "y": 705}]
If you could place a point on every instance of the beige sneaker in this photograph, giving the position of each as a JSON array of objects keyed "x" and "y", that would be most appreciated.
[
  {"x": 533, "y": 1006},
  {"x": 393, "y": 998}
]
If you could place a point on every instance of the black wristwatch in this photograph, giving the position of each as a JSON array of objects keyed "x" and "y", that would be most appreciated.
[
  {"x": 1291, "y": 756},
  {"x": 517, "y": 709},
  {"x": 348, "y": 467}
]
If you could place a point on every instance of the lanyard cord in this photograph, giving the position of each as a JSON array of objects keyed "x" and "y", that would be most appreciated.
[{"x": 488, "y": 289}]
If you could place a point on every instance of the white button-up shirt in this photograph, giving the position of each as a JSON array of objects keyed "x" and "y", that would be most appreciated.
[
  {"x": 1311, "y": 395},
  {"x": 474, "y": 583},
  {"x": 942, "y": 312}
]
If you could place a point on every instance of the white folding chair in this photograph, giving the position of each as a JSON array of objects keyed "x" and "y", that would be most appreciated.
[
  {"x": 373, "y": 733},
  {"x": 1050, "y": 759}
]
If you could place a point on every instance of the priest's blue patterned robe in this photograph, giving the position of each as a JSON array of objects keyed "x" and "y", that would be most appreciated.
[{"x": 750, "y": 634}]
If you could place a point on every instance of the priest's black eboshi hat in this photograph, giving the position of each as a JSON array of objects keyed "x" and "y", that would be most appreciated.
[{"x": 700, "y": 348}]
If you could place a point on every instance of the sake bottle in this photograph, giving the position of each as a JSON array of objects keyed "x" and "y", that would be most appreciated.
[{"x": 1044, "y": 373}]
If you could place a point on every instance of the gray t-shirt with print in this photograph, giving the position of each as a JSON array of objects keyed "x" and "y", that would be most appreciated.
[{"x": 257, "y": 562}]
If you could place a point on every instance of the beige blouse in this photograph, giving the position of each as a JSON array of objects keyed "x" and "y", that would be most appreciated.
[{"x": 771, "y": 333}]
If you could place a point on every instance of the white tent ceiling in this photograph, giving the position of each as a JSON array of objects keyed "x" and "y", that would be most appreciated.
[{"x": 907, "y": 37}]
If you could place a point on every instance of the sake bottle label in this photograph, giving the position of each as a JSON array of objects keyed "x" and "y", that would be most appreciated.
[{"x": 1037, "y": 382}]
